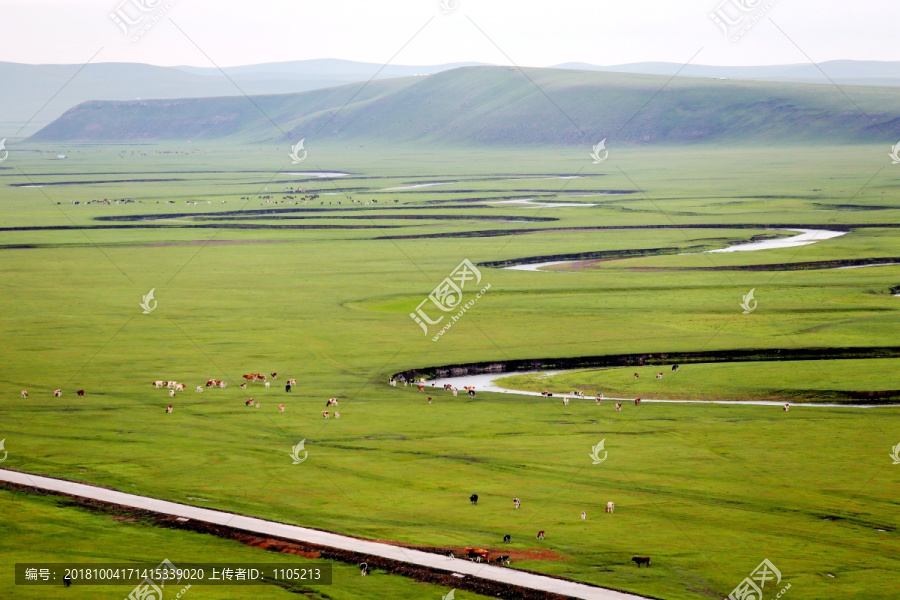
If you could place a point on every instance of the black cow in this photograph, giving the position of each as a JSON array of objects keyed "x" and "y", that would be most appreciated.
[
  {"x": 363, "y": 569},
  {"x": 503, "y": 560},
  {"x": 641, "y": 560},
  {"x": 474, "y": 499},
  {"x": 287, "y": 387},
  {"x": 507, "y": 539},
  {"x": 674, "y": 367}
]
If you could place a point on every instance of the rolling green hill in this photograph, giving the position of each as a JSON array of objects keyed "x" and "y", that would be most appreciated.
[{"x": 505, "y": 106}]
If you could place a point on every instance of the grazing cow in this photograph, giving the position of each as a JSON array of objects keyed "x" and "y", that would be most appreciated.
[
  {"x": 244, "y": 386},
  {"x": 211, "y": 382},
  {"x": 57, "y": 393},
  {"x": 267, "y": 384},
  {"x": 257, "y": 404},
  {"x": 24, "y": 394},
  {"x": 199, "y": 389},
  {"x": 332, "y": 402},
  {"x": 636, "y": 375},
  {"x": 171, "y": 393},
  {"x": 170, "y": 409},
  {"x": 637, "y": 401},
  {"x": 641, "y": 560},
  {"x": 274, "y": 375},
  {"x": 516, "y": 503},
  {"x": 222, "y": 384},
  {"x": 503, "y": 560},
  {"x": 248, "y": 402},
  {"x": 363, "y": 569},
  {"x": 472, "y": 393},
  {"x": 158, "y": 384},
  {"x": 287, "y": 387},
  {"x": 507, "y": 539},
  {"x": 674, "y": 367},
  {"x": 477, "y": 554},
  {"x": 180, "y": 387},
  {"x": 659, "y": 375},
  {"x": 393, "y": 382},
  {"x": 429, "y": 399},
  {"x": 540, "y": 535},
  {"x": 565, "y": 400},
  {"x": 455, "y": 391},
  {"x": 610, "y": 507},
  {"x": 171, "y": 384},
  {"x": 325, "y": 414},
  {"x": 618, "y": 407},
  {"x": 292, "y": 382},
  {"x": 249, "y": 377},
  {"x": 597, "y": 400},
  {"x": 337, "y": 415},
  {"x": 583, "y": 515},
  {"x": 281, "y": 408},
  {"x": 474, "y": 499},
  {"x": 421, "y": 388}
]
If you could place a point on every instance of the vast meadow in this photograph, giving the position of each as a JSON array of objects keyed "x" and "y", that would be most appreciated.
[{"x": 258, "y": 265}]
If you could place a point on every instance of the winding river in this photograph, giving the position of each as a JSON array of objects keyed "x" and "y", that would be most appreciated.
[{"x": 487, "y": 382}]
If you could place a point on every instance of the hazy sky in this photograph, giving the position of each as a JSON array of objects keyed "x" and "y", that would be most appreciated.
[{"x": 534, "y": 33}]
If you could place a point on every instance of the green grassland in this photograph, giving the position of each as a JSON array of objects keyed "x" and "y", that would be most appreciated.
[{"x": 707, "y": 491}]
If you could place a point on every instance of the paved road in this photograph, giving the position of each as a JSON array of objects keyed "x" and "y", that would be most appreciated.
[{"x": 321, "y": 538}]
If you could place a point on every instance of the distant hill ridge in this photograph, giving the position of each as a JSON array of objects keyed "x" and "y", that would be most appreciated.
[{"x": 499, "y": 105}]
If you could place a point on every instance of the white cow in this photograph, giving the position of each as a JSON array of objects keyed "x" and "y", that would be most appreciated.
[
  {"x": 583, "y": 515},
  {"x": 325, "y": 414},
  {"x": 610, "y": 507},
  {"x": 57, "y": 393},
  {"x": 565, "y": 400},
  {"x": 786, "y": 407},
  {"x": 180, "y": 387},
  {"x": 171, "y": 393},
  {"x": 337, "y": 415},
  {"x": 222, "y": 384},
  {"x": 199, "y": 389},
  {"x": 24, "y": 394},
  {"x": 267, "y": 384},
  {"x": 158, "y": 384},
  {"x": 618, "y": 407},
  {"x": 292, "y": 381}
]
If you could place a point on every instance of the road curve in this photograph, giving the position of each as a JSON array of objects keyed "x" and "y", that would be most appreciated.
[{"x": 321, "y": 538}]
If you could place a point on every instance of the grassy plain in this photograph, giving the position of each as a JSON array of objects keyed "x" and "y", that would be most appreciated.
[{"x": 707, "y": 491}]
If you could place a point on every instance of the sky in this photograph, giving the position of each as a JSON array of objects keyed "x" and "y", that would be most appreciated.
[{"x": 223, "y": 33}]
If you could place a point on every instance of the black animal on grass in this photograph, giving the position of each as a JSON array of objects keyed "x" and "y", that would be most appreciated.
[
  {"x": 674, "y": 367},
  {"x": 641, "y": 560},
  {"x": 363, "y": 569},
  {"x": 287, "y": 387},
  {"x": 474, "y": 499},
  {"x": 507, "y": 539},
  {"x": 503, "y": 560}
]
